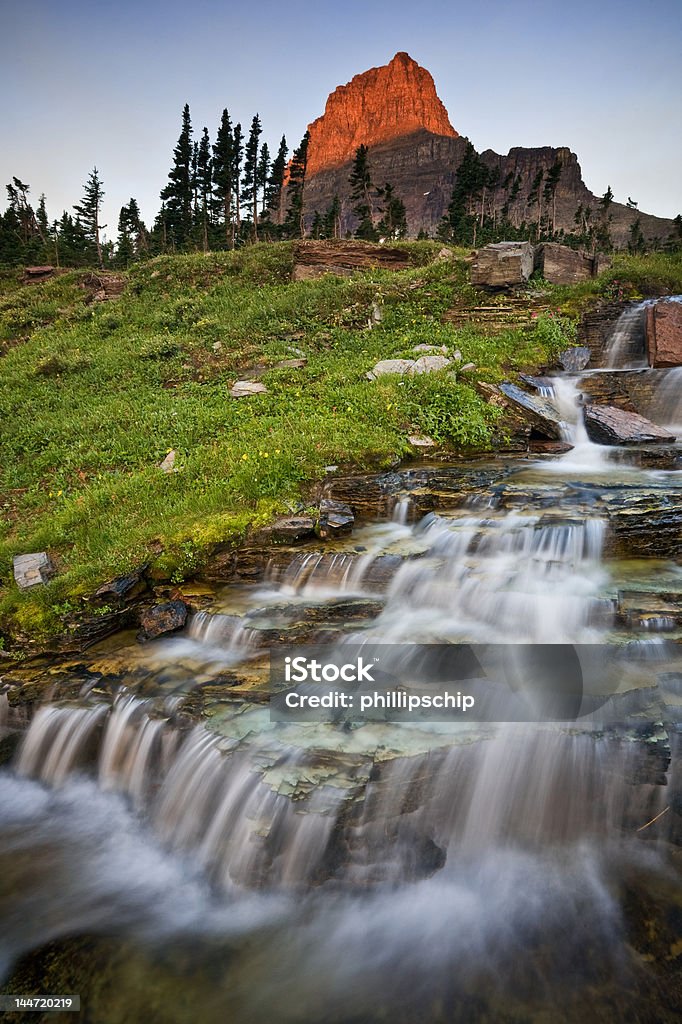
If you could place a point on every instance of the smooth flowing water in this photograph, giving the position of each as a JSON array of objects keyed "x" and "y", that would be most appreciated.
[{"x": 357, "y": 872}]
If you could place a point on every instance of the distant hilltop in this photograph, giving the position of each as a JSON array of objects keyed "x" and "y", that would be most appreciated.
[{"x": 395, "y": 111}]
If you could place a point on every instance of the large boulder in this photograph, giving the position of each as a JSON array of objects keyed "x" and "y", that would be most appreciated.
[
  {"x": 664, "y": 333},
  {"x": 606, "y": 424},
  {"x": 560, "y": 265},
  {"x": 575, "y": 359},
  {"x": 538, "y": 411},
  {"x": 503, "y": 265}
]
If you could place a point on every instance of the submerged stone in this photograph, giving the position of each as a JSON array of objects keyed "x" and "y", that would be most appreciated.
[{"x": 166, "y": 617}]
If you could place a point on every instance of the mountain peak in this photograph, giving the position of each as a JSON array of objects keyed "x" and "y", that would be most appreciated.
[{"x": 376, "y": 106}]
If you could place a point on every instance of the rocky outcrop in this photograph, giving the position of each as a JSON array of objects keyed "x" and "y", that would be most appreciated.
[
  {"x": 395, "y": 111},
  {"x": 607, "y": 424},
  {"x": 559, "y": 264},
  {"x": 376, "y": 106},
  {"x": 664, "y": 333},
  {"x": 313, "y": 259},
  {"x": 503, "y": 265}
]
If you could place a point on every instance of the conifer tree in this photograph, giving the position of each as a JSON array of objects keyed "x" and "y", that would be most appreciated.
[
  {"x": 276, "y": 180},
  {"x": 393, "y": 223},
  {"x": 203, "y": 187},
  {"x": 250, "y": 178},
  {"x": 361, "y": 195},
  {"x": 125, "y": 248},
  {"x": 223, "y": 176},
  {"x": 459, "y": 223},
  {"x": 262, "y": 173},
  {"x": 237, "y": 153},
  {"x": 332, "y": 219},
  {"x": 89, "y": 210},
  {"x": 550, "y": 189},
  {"x": 294, "y": 225},
  {"x": 178, "y": 193}
]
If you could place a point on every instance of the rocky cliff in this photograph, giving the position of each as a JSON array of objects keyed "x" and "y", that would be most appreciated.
[
  {"x": 380, "y": 105},
  {"x": 396, "y": 112}
]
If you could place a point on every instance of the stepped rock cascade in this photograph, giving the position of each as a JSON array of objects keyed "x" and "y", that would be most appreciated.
[{"x": 359, "y": 870}]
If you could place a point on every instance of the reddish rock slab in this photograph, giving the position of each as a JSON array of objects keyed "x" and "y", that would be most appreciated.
[
  {"x": 607, "y": 424},
  {"x": 664, "y": 333}
]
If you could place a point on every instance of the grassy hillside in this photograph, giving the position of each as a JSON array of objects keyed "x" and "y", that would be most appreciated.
[{"x": 93, "y": 396}]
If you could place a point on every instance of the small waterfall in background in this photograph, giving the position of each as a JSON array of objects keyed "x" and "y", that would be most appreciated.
[{"x": 626, "y": 347}]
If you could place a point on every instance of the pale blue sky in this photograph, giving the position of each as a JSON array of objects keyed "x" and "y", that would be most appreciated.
[{"x": 104, "y": 83}]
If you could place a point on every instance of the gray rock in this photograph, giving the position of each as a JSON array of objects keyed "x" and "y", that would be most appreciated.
[
  {"x": 417, "y": 441},
  {"x": 573, "y": 360},
  {"x": 390, "y": 366},
  {"x": 606, "y": 424},
  {"x": 335, "y": 518},
  {"x": 542, "y": 415},
  {"x": 503, "y": 265},
  {"x": 443, "y": 349},
  {"x": 560, "y": 264},
  {"x": 246, "y": 388},
  {"x": 33, "y": 569},
  {"x": 430, "y": 364},
  {"x": 168, "y": 464},
  {"x": 292, "y": 528}
]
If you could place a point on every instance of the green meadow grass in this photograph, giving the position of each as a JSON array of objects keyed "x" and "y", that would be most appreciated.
[{"x": 92, "y": 398}]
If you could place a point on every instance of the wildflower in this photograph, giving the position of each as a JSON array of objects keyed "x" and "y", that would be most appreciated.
[{"x": 244, "y": 457}]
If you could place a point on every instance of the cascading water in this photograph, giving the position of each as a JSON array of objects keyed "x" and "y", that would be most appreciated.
[
  {"x": 369, "y": 871},
  {"x": 625, "y": 347}
]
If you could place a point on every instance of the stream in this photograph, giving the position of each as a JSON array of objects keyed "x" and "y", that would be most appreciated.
[{"x": 172, "y": 854}]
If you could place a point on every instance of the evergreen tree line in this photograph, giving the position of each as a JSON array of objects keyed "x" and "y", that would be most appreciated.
[{"x": 230, "y": 192}]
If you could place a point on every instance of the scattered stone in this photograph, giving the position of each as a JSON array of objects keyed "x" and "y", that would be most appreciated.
[
  {"x": 377, "y": 313},
  {"x": 664, "y": 333},
  {"x": 573, "y": 360},
  {"x": 560, "y": 264},
  {"x": 291, "y": 364},
  {"x": 430, "y": 364},
  {"x": 246, "y": 388},
  {"x": 607, "y": 424},
  {"x": 417, "y": 441},
  {"x": 467, "y": 367},
  {"x": 432, "y": 348},
  {"x": 33, "y": 569},
  {"x": 390, "y": 366},
  {"x": 541, "y": 414},
  {"x": 457, "y": 356},
  {"x": 335, "y": 519},
  {"x": 330, "y": 469},
  {"x": 217, "y": 346},
  {"x": 292, "y": 529},
  {"x": 168, "y": 464},
  {"x": 503, "y": 265},
  {"x": 443, "y": 255},
  {"x": 162, "y": 618}
]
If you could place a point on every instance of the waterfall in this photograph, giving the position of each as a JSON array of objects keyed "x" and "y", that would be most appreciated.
[
  {"x": 666, "y": 403},
  {"x": 625, "y": 347}
]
